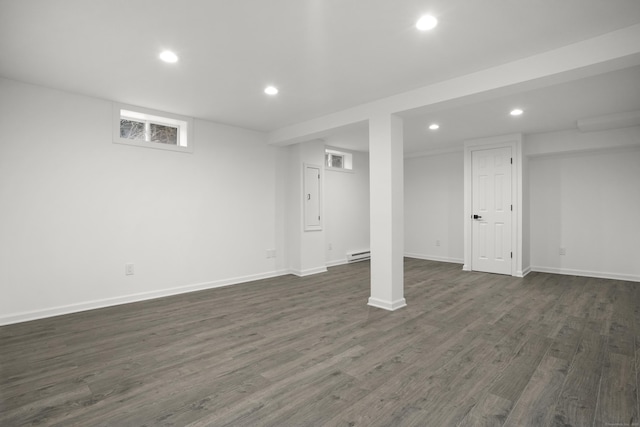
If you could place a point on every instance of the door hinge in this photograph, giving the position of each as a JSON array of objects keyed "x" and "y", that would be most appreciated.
[
  {"x": 511, "y": 254},
  {"x": 512, "y": 160},
  {"x": 318, "y": 217},
  {"x": 511, "y": 207}
]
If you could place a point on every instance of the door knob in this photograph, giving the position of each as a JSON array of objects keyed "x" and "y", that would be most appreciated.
[{"x": 477, "y": 217}]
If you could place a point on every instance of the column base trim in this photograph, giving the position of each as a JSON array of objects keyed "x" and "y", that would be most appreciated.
[
  {"x": 387, "y": 305},
  {"x": 308, "y": 272}
]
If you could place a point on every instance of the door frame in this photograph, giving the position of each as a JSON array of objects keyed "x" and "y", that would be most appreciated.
[
  {"x": 313, "y": 227},
  {"x": 514, "y": 141}
]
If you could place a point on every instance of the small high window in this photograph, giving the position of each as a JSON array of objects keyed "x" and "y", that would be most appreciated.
[
  {"x": 334, "y": 159},
  {"x": 151, "y": 129}
]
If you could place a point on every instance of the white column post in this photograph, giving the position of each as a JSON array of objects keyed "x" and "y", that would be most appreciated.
[{"x": 386, "y": 165}]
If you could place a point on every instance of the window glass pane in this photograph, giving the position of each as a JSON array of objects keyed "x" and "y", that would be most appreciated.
[
  {"x": 163, "y": 134},
  {"x": 131, "y": 129},
  {"x": 336, "y": 161}
]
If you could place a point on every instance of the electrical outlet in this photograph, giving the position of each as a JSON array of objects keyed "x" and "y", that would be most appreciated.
[
  {"x": 271, "y": 253},
  {"x": 437, "y": 242},
  {"x": 563, "y": 251},
  {"x": 128, "y": 269}
]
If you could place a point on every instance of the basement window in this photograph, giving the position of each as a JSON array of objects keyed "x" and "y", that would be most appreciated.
[
  {"x": 338, "y": 160},
  {"x": 151, "y": 129}
]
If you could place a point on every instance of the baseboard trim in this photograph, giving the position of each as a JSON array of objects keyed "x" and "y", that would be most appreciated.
[
  {"x": 523, "y": 272},
  {"x": 585, "y": 273},
  {"x": 337, "y": 262},
  {"x": 308, "y": 272},
  {"x": 127, "y": 299},
  {"x": 435, "y": 258},
  {"x": 387, "y": 305}
]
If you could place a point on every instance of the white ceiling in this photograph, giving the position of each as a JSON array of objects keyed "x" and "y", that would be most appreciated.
[
  {"x": 324, "y": 55},
  {"x": 552, "y": 108}
]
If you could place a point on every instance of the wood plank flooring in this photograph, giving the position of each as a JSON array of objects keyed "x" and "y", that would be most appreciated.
[{"x": 470, "y": 349}]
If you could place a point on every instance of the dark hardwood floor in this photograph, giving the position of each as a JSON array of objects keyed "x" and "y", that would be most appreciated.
[{"x": 469, "y": 349}]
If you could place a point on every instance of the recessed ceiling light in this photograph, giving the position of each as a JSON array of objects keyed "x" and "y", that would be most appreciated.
[
  {"x": 168, "y": 56},
  {"x": 426, "y": 23},
  {"x": 516, "y": 112},
  {"x": 434, "y": 126},
  {"x": 271, "y": 90}
]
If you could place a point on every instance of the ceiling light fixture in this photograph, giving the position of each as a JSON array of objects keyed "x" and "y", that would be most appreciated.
[
  {"x": 434, "y": 126},
  {"x": 271, "y": 90},
  {"x": 426, "y": 23},
  {"x": 168, "y": 56},
  {"x": 516, "y": 112}
]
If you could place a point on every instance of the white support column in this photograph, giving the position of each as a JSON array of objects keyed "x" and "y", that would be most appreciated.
[{"x": 387, "y": 211}]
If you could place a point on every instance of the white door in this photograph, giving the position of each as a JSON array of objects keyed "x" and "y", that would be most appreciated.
[
  {"x": 491, "y": 210},
  {"x": 312, "y": 206}
]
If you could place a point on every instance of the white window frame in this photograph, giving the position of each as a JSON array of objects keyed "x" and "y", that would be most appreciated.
[
  {"x": 347, "y": 160},
  {"x": 148, "y": 116}
]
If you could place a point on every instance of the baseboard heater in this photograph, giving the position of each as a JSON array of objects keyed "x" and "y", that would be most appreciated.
[{"x": 358, "y": 256}]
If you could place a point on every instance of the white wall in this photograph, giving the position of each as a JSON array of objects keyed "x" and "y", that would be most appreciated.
[
  {"x": 434, "y": 207},
  {"x": 305, "y": 248},
  {"x": 587, "y": 202},
  {"x": 526, "y": 217},
  {"x": 76, "y": 208},
  {"x": 581, "y": 191},
  {"x": 346, "y": 210}
]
